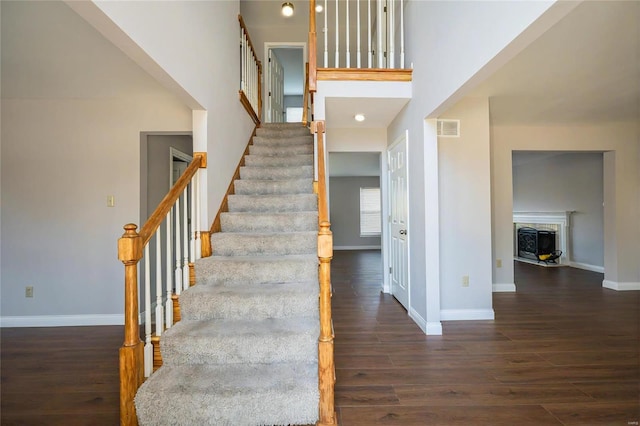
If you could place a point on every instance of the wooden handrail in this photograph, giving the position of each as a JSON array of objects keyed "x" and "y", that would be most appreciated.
[
  {"x": 305, "y": 96},
  {"x": 156, "y": 218},
  {"x": 326, "y": 364},
  {"x": 130, "y": 247},
  {"x": 313, "y": 52},
  {"x": 246, "y": 31}
]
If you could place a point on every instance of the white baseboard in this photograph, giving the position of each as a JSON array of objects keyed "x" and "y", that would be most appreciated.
[
  {"x": 434, "y": 328},
  {"x": 614, "y": 285},
  {"x": 588, "y": 267},
  {"x": 504, "y": 287},
  {"x": 357, "y": 247},
  {"x": 466, "y": 314},
  {"x": 61, "y": 320}
]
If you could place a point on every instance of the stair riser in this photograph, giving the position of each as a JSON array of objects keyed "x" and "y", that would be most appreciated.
[
  {"x": 282, "y": 132},
  {"x": 246, "y": 222},
  {"x": 280, "y": 150},
  {"x": 276, "y": 173},
  {"x": 249, "y": 187},
  {"x": 211, "y": 270},
  {"x": 273, "y": 203},
  {"x": 282, "y": 142},
  {"x": 237, "y": 244},
  {"x": 270, "y": 161}
]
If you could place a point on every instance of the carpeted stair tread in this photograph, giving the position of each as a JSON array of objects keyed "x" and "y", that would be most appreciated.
[
  {"x": 276, "y": 172},
  {"x": 280, "y": 141},
  {"x": 273, "y": 203},
  {"x": 250, "y": 301},
  {"x": 239, "y": 270},
  {"x": 230, "y": 395},
  {"x": 283, "y": 160},
  {"x": 269, "y": 222},
  {"x": 299, "y": 149},
  {"x": 230, "y": 341},
  {"x": 264, "y": 187},
  {"x": 263, "y": 244}
]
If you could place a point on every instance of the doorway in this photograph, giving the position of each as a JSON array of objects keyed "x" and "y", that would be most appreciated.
[{"x": 284, "y": 81}]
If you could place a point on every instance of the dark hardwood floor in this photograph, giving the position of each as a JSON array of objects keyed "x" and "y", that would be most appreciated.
[{"x": 562, "y": 351}]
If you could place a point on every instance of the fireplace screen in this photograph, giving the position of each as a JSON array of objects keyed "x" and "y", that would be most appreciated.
[{"x": 534, "y": 242}]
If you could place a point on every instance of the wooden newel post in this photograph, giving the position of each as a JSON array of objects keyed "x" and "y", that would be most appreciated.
[
  {"x": 326, "y": 366},
  {"x": 131, "y": 352}
]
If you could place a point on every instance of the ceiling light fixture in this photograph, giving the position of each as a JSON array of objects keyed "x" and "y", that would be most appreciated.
[
  {"x": 359, "y": 117},
  {"x": 287, "y": 9},
  {"x": 319, "y": 8}
]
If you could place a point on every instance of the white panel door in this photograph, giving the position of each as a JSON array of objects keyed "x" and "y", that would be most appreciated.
[
  {"x": 275, "y": 112},
  {"x": 398, "y": 215}
]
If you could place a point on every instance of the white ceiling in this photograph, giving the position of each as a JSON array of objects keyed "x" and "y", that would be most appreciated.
[
  {"x": 586, "y": 68},
  {"x": 48, "y": 51}
]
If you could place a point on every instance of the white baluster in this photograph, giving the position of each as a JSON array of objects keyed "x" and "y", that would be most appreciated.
[
  {"x": 391, "y": 60},
  {"x": 337, "y": 63},
  {"x": 348, "y": 48},
  {"x": 241, "y": 61},
  {"x": 358, "y": 53},
  {"x": 192, "y": 252},
  {"x": 325, "y": 30},
  {"x": 197, "y": 223},
  {"x": 185, "y": 241},
  {"x": 369, "y": 29},
  {"x": 148, "y": 346},
  {"x": 401, "y": 34},
  {"x": 159, "y": 313},
  {"x": 178, "y": 259},
  {"x": 168, "y": 309},
  {"x": 380, "y": 21}
]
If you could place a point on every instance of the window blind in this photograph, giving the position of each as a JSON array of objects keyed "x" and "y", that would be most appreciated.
[{"x": 370, "y": 215}]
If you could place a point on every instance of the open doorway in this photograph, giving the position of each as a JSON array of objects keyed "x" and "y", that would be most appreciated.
[{"x": 284, "y": 81}]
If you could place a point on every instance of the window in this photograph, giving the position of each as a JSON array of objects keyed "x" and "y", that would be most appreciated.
[{"x": 370, "y": 216}]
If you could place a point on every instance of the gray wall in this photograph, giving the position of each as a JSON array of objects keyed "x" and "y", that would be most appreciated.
[
  {"x": 565, "y": 182},
  {"x": 344, "y": 199},
  {"x": 157, "y": 166},
  {"x": 294, "y": 101}
]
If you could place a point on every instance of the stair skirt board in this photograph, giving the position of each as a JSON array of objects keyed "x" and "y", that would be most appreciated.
[{"x": 245, "y": 351}]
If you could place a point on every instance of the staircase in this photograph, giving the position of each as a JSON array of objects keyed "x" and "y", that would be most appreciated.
[{"x": 245, "y": 351}]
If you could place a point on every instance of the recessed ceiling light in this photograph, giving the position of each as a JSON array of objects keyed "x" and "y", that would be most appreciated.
[
  {"x": 287, "y": 9},
  {"x": 359, "y": 117},
  {"x": 319, "y": 8}
]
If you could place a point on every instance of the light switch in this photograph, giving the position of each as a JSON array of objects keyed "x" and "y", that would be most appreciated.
[{"x": 111, "y": 201}]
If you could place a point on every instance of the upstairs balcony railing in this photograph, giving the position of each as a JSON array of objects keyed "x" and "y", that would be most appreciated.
[{"x": 361, "y": 34}]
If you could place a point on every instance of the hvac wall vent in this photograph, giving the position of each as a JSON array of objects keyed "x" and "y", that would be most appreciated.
[{"x": 449, "y": 128}]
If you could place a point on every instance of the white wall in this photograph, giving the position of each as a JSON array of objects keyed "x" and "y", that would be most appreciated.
[
  {"x": 565, "y": 182},
  {"x": 465, "y": 214},
  {"x": 61, "y": 158},
  {"x": 196, "y": 45},
  {"x": 620, "y": 143},
  {"x": 465, "y": 45}
]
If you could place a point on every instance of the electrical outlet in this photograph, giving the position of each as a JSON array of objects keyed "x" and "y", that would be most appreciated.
[
  {"x": 465, "y": 281},
  {"x": 28, "y": 291},
  {"x": 498, "y": 263},
  {"x": 111, "y": 201}
]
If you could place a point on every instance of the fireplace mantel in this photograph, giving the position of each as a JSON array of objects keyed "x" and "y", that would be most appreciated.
[{"x": 562, "y": 219}]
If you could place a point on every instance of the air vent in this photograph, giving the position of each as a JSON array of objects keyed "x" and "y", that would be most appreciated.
[{"x": 449, "y": 128}]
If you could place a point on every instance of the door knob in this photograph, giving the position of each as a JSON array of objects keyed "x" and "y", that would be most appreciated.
[{"x": 403, "y": 232}]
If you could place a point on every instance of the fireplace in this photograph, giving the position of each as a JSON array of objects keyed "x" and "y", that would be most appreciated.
[{"x": 533, "y": 242}]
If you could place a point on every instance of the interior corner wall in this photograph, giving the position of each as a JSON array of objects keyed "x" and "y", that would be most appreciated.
[
  {"x": 196, "y": 44},
  {"x": 464, "y": 38},
  {"x": 566, "y": 182},
  {"x": 619, "y": 142},
  {"x": 60, "y": 161},
  {"x": 465, "y": 214}
]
